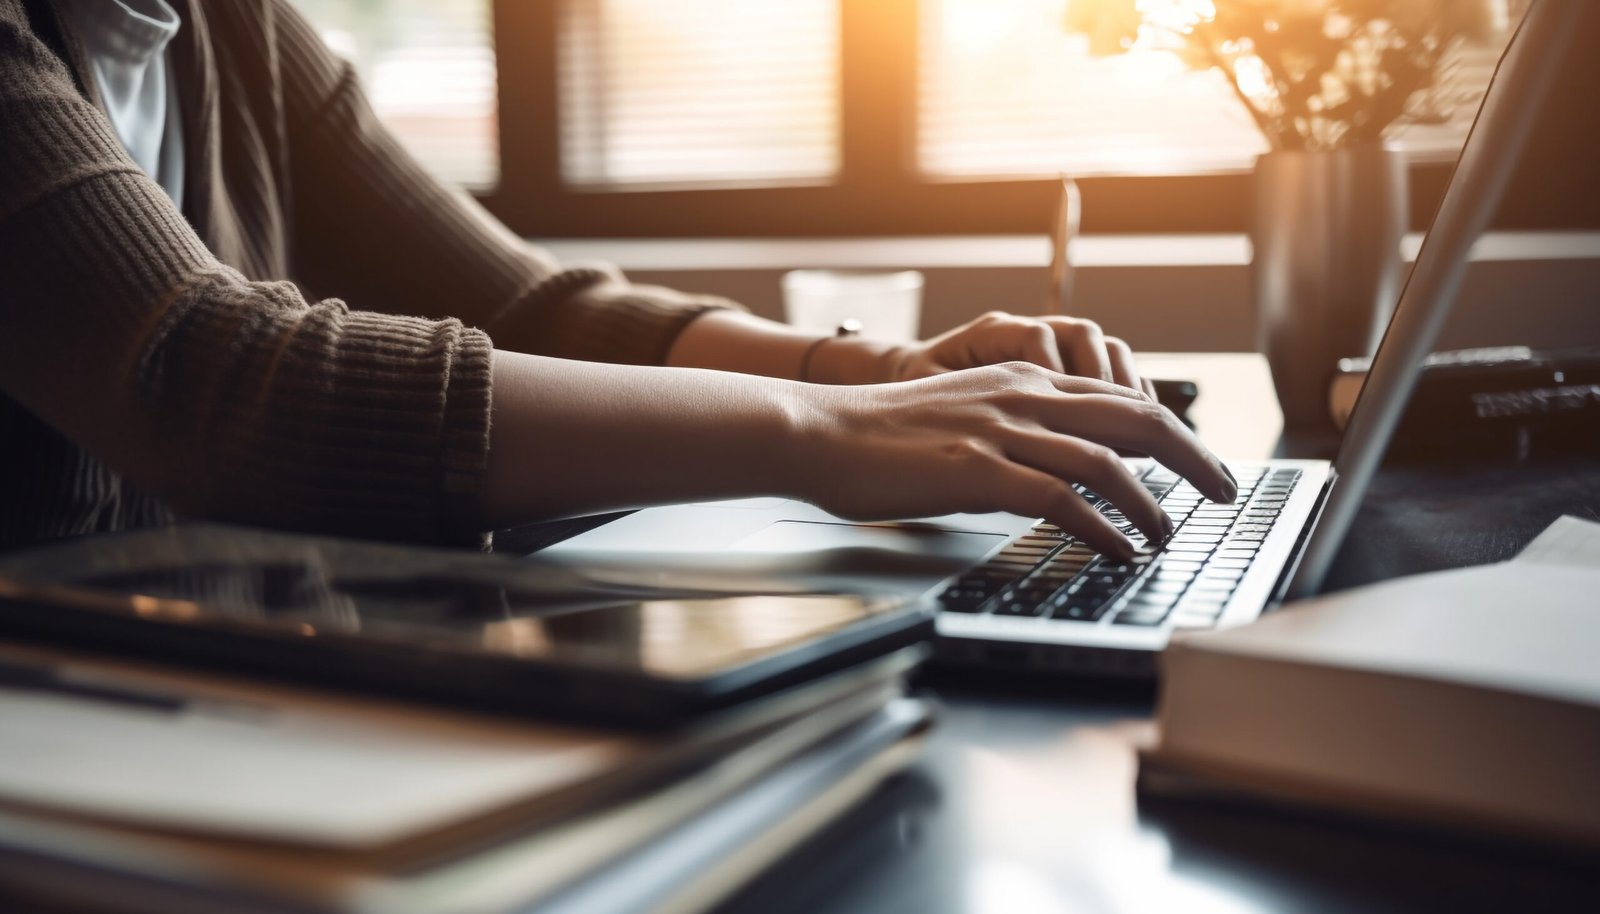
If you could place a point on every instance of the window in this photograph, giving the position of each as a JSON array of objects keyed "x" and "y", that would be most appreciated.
[
  {"x": 428, "y": 67},
  {"x": 1004, "y": 88},
  {"x": 816, "y": 117},
  {"x": 699, "y": 91}
]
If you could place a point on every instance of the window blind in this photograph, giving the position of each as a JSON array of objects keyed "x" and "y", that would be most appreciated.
[
  {"x": 428, "y": 67},
  {"x": 699, "y": 92},
  {"x": 1005, "y": 89}
]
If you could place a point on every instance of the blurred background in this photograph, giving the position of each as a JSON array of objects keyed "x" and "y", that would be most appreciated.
[{"x": 714, "y": 144}]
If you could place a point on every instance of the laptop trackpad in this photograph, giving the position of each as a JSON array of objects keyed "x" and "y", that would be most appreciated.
[{"x": 911, "y": 550}]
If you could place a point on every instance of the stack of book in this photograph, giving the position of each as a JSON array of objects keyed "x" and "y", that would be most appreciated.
[{"x": 130, "y": 784}]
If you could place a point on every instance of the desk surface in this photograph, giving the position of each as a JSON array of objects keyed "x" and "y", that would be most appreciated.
[
  {"x": 1024, "y": 804},
  {"x": 1025, "y": 801}
]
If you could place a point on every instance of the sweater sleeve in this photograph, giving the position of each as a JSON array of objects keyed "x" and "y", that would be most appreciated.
[
  {"x": 371, "y": 225},
  {"x": 227, "y": 398}
]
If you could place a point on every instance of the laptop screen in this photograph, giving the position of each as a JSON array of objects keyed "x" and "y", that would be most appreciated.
[{"x": 1523, "y": 166}]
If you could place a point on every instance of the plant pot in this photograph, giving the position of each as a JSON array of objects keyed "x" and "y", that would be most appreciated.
[{"x": 1326, "y": 272}]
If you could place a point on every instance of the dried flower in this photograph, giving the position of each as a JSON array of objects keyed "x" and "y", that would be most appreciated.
[{"x": 1315, "y": 74}]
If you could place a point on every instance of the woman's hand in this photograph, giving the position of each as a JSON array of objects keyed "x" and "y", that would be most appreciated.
[
  {"x": 1011, "y": 437},
  {"x": 1066, "y": 345},
  {"x": 579, "y": 437}
]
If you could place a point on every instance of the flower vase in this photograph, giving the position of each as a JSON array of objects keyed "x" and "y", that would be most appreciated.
[{"x": 1326, "y": 269}]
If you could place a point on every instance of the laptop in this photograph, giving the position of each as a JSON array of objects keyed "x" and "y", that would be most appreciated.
[{"x": 1014, "y": 593}]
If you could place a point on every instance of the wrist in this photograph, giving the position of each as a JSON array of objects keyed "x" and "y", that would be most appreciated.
[
  {"x": 853, "y": 360},
  {"x": 817, "y": 419}
]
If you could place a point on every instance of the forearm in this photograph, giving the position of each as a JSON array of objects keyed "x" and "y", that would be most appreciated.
[
  {"x": 734, "y": 341},
  {"x": 573, "y": 437}
]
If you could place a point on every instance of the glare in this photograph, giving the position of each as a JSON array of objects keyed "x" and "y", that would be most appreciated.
[
  {"x": 1254, "y": 80},
  {"x": 976, "y": 27},
  {"x": 1176, "y": 15}
]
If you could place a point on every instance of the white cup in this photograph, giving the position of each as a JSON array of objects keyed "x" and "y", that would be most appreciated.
[{"x": 888, "y": 304}]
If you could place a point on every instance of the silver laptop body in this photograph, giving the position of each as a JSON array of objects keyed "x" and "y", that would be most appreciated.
[{"x": 1013, "y": 593}]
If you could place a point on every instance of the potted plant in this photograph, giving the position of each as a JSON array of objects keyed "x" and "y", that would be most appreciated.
[{"x": 1327, "y": 82}]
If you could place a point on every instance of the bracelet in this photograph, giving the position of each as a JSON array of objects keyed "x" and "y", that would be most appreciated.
[{"x": 847, "y": 327}]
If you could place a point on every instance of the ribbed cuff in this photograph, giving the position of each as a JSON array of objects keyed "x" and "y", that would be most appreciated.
[
  {"x": 465, "y": 439},
  {"x": 594, "y": 315}
]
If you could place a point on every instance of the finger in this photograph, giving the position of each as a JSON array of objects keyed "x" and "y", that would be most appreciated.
[
  {"x": 1099, "y": 468},
  {"x": 1085, "y": 346},
  {"x": 1073, "y": 384},
  {"x": 1123, "y": 369},
  {"x": 1146, "y": 427},
  {"x": 1032, "y": 493},
  {"x": 1150, "y": 389},
  {"x": 1010, "y": 338}
]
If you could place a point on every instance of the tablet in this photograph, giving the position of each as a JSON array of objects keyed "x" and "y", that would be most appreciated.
[{"x": 491, "y": 632}]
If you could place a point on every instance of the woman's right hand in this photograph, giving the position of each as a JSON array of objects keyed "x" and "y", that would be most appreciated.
[{"x": 1013, "y": 437}]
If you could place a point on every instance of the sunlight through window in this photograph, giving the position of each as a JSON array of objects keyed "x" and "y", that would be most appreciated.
[{"x": 699, "y": 91}]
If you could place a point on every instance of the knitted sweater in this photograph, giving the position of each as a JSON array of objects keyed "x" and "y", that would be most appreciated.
[{"x": 156, "y": 362}]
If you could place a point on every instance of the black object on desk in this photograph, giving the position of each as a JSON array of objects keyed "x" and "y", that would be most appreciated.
[
  {"x": 485, "y": 632},
  {"x": 1177, "y": 396}
]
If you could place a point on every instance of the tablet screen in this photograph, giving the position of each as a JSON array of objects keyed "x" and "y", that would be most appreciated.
[{"x": 339, "y": 590}]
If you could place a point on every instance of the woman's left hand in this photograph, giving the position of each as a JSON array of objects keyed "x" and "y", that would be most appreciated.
[{"x": 1068, "y": 345}]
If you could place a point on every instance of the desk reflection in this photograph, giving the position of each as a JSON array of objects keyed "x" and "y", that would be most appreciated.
[{"x": 1025, "y": 804}]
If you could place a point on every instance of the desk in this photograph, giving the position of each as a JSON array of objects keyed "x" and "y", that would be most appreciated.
[{"x": 1024, "y": 803}]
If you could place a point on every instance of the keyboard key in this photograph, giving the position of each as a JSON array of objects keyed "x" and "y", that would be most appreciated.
[
  {"x": 1019, "y": 610},
  {"x": 1080, "y": 609},
  {"x": 1163, "y": 592},
  {"x": 1036, "y": 539},
  {"x": 1010, "y": 565},
  {"x": 1190, "y": 548},
  {"x": 1024, "y": 548},
  {"x": 1057, "y": 563},
  {"x": 1208, "y": 524},
  {"x": 1107, "y": 566},
  {"x": 1012, "y": 603},
  {"x": 1139, "y": 617}
]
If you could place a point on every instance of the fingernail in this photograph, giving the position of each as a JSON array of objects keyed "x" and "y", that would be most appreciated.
[
  {"x": 1233, "y": 493},
  {"x": 1126, "y": 550},
  {"x": 1167, "y": 525}
]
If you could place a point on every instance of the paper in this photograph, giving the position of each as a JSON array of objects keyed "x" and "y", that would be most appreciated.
[
  {"x": 1499, "y": 626},
  {"x": 270, "y": 763},
  {"x": 1570, "y": 541}
]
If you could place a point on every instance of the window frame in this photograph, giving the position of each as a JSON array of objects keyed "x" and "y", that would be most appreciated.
[{"x": 878, "y": 190}]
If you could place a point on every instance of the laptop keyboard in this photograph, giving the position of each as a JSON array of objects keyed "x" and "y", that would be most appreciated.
[{"x": 1049, "y": 575}]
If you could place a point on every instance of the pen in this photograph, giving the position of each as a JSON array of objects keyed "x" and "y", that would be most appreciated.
[{"x": 1069, "y": 212}]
